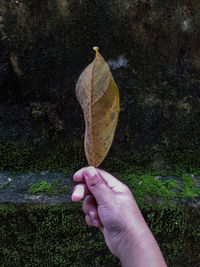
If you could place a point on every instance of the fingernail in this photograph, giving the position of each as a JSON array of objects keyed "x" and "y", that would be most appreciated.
[
  {"x": 90, "y": 172},
  {"x": 79, "y": 191},
  {"x": 76, "y": 173}
]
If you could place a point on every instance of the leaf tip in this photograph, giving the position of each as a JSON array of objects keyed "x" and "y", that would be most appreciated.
[{"x": 96, "y": 48}]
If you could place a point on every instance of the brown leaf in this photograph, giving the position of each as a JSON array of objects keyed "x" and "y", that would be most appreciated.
[{"x": 98, "y": 96}]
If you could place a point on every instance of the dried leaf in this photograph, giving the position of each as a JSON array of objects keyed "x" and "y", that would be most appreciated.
[{"x": 98, "y": 96}]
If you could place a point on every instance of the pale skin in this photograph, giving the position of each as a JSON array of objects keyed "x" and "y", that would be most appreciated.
[{"x": 110, "y": 206}]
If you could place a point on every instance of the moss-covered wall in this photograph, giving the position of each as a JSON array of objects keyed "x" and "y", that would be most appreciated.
[
  {"x": 45, "y": 45},
  {"x": 27, "y": 232},
  {"x": 69, "y": 157}
]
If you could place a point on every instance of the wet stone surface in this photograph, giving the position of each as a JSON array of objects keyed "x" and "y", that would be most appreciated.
[
  {"x": 56, "y": 188},
  {"x": 14, "y": 187}
]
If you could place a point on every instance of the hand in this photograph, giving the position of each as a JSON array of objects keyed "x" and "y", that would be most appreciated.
[{"x": 110, "y": 206}]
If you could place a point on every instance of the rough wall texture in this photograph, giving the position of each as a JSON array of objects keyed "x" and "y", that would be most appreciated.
[{"x": 153, "y": 51}]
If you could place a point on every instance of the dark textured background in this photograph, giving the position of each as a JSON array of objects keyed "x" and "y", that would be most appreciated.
[{"x": 45, "y": 46}]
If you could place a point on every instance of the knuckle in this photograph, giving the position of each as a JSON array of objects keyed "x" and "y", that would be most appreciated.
[
  {"x": 127, "y": 190},
  {"x": 96, "y": 182}
]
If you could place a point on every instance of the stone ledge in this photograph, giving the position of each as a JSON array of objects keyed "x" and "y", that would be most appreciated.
[{"x": 15, "y": 186}]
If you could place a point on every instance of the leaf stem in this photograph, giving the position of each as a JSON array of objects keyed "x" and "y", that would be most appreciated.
[{"x": 96, "y": 48}]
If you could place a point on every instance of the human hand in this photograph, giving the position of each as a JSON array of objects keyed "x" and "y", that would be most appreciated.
[{"x": 110, "y": 206}]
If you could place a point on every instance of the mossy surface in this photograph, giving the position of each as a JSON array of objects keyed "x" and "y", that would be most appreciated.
[
  {"x": 36, "y": 235},
  {"x": 28, "y": 229},
  {"x": 69, "y": 157},
  {"x": 28, "y": 232},
  {"x": 57, "y": 187},
  {"x": 24, "y": 157},
  {"x": 135, "y": 168},
  {"x": 147, "y": 186}
]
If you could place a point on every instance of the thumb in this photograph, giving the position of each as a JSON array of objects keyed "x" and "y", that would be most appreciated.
[{"x": 97, "y": 186}]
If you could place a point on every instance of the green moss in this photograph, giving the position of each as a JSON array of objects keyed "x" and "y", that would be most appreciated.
[
  {"x": 36, "y": 114},
  {"x": 70, "y": 157},
  {"x": 23, "y": 157},
  {"x": 184, "y": 158},
  {"x": 170, "y": 224},
  {"x": 188, "y": 187},
  {"x": 16, "y": 157},
  {"x": 40, "y": 187},
  {"x": 173, "y": 227},
  {"x": 38, "y": 234},
  {"x": 147, "y": 185},
  {"x": 5, "y": 185},
  {"x": 171, "y": 184},
  {"x": 57, "y": 187}
]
